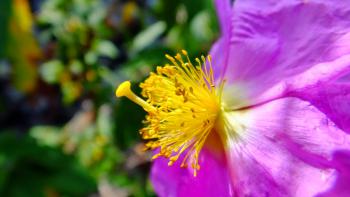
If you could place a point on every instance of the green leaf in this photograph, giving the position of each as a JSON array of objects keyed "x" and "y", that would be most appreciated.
[
  {"x": 104, "y": 121},
  {"x": 76, "y": 67},
  {"x": 71, "y": 91},
  {"x": 46, "y": 135},
  {"x": 105, "y": 48},
  {"x": 51, "y": 71},
  {"x": 5, "y": 14},
  {"x": 147, "y": 36},
  {"x": 201, "y": 27},
  {"x": 91, "y": 57},
  {"x": 34, "y": 170}
]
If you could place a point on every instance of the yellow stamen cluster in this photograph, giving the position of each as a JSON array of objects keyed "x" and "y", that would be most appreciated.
[{"x": 182, "y": 105}]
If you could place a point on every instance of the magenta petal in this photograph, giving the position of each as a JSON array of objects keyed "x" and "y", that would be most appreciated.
[
  {"x": 224, "y": 10},
  {"x": 286, "y": 150},
  {"x": 217, "y": 50},
  {"x": 321, "y": 73},
  {"x": 332, "y": 99},
  {"x": 315, "y": 78},
  {"x": 341, "y": 185},
  {"x": 221, "y": 47},
  {"x": 212, "y": 178},
  {"x": 276, "y": 39}
]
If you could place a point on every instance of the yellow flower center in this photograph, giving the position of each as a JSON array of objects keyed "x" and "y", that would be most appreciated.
[{"x": 183, "y": 105}]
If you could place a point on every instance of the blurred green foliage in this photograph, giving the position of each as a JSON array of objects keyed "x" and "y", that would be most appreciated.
[
  {"x": 77, "y": 35},
  {"x": 64, "y": 133},
  {"x": 29, "y": 169},
  {"x": 5, "y": 13}
]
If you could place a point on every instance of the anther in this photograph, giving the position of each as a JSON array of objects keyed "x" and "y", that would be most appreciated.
[
  {"x": 198, "y": 61},
  {"x": 156, "y": 156},
  {"x": 209, "y": 58},
  {"x": 191, "y": 90},
  {"x": 169, "y": 57},
  {"x": 203, "y": 58},
  {"x": 179, "y": 58}
]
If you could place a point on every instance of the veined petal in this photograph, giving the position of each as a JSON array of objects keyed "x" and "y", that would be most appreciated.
[
  {"x": 275, "y": 40},
  {"x": 176, "y": 181},
  {"x": 333, "y": 99},
  {"x": 315, "y": 78},
  {"x": 285, "y": 148},
  {"x": 324, "y": 86},
  {"x": 341, "y": 185},
  {"x": 321, "y": 73}
]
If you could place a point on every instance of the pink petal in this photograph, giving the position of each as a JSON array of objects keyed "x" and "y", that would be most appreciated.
[
  {"x": 274, "y": 40},
  {"x": 341, "y": 186},
  {"x": 221, "y": 47},
  {"x": 224, "y": 9},
  {"x": 218, "y": 63},
  {"x": 315, "y": 77},
  {"x": 286, "y": 149},
  {"x": 333, "y": 99},
  {"x": 212, "y": 179}
]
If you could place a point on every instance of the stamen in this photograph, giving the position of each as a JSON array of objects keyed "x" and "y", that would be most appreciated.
[{"x": 182, "y": 105}]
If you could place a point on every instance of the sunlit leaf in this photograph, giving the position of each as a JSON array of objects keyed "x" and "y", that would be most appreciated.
[
  {"x": 105, "y": 48},
  {"x": 147, "y": 36},
  {"x": 23, "y": 50},
  {"x": 46, "y": 135},
  {"x": 52, "y": 71}
]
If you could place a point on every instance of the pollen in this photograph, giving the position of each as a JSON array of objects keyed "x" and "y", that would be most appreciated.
[{"x": 183, "y": 105}]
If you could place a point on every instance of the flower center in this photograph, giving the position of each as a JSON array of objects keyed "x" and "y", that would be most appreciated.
[{"x": 183, "y": 105}]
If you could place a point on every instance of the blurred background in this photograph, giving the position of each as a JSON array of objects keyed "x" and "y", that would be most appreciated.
[{"x": 62, "y": 131}]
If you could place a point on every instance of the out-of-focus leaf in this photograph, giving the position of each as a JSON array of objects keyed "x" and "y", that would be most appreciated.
[
  {"x": 46, "y": 135},
  {"x": 97, "y": 16},
  {"x": 23, "y": 50},
  {"x": 33, "y": 170},
  {"x": 91, "y": 57},
  {"x": 147, "y": 36},
  {"x": 51, "y": 14},
  {"x": 71, "y": 90},
  {"x": 172, "y": 38},
  {"x": 76, "y": 67},
  {"x": 104, "y": 121},
  {"x": 52, "y": 71},
  {"x": 201, "y": 27},
  {"x": 5, "y": 14},
  {"x": 105, "y": 48}
]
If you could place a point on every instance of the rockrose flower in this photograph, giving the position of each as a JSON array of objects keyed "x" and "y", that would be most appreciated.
[{"x": 267, "y": 114}]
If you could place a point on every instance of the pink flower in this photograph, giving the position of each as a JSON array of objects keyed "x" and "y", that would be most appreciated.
[{"x": 272, "y": 117}]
